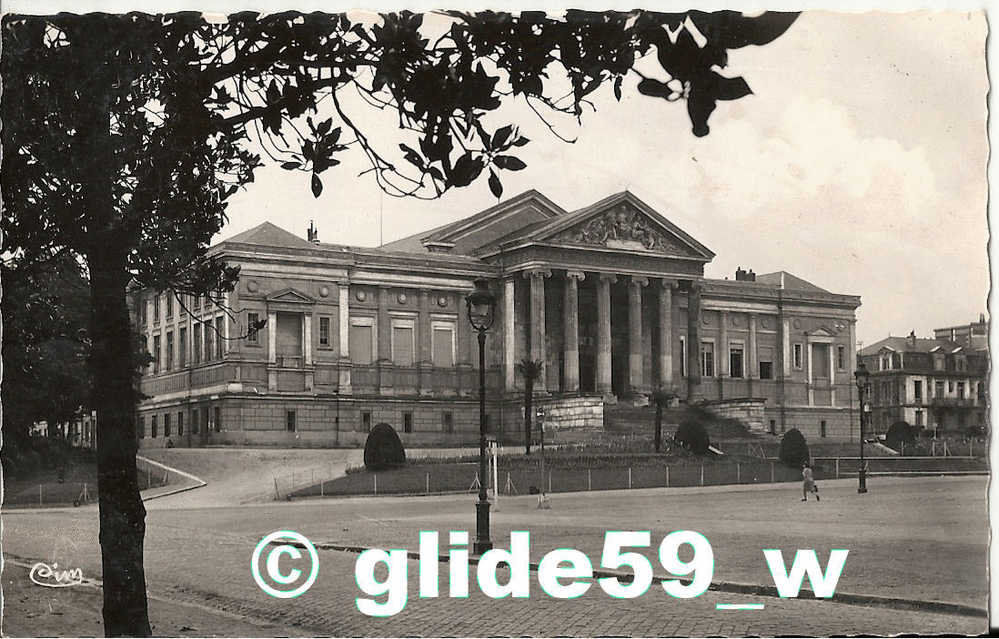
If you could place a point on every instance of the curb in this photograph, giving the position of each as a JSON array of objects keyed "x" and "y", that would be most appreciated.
[
  {"x": 198, "y": 481},
  {"x": 847, "y": 598}
]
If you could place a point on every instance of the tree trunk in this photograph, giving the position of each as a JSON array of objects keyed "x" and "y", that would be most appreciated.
[
  {"x": 528, "y": 400},
  {"x": 659, "y": 426},
  {"x": 122, "y": 515}
]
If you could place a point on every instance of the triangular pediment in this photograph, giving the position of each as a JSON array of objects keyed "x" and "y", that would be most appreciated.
[
  {"x": 624, "y": 222},
  {"x": 290, "y": 295},
  {"x": 822, "y": 331}
]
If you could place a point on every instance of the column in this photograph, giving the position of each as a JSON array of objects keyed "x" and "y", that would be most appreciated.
[
  {"x": 307, "y": 342},
  {"x": 509, "y": 336},
  {"x": 343, "y": 326},
  {"x": 636, "y": 381},
  {"x": 467, "y": 356},
  {"x": 807, "y": 361},
  {"x": 384, "y": 343},
  {"x": 538, "y": 352},
  {"x": 666, "y": 332},
  {"x": 724, "y": 362},
  {"x": 754, "y": 366},
  {"x": 570, "y": 316},
  {"x": 271, "y": 337},
  {"x": 424, "y": 358},
  {"x": 603, "y": 384},
  {"x": 694, "y": 341},
  {"x": 832, "y": 375}
]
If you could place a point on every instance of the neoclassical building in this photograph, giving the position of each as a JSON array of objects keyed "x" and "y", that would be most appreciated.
[{"x": 612, "y": 298}]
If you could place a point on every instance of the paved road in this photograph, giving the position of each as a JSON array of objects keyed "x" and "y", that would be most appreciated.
[{"x": 202, "y": 556}]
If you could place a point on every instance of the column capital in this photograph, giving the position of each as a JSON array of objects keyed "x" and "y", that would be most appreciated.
[
  {"x": 638, "y": 280},
  {"x": 696, "y": 286},
  {"x": 666, "y": 282},
  {"x": 579, "y": 276},
  {"x": 607, "y": 277},
  {"x": 537, "y": 272}
]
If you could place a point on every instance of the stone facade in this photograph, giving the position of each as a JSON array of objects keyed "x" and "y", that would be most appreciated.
[{"x": 612, "y": 298}]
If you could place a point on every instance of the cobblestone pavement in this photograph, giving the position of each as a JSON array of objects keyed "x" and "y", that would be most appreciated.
[{"x": 202, "y": 556}]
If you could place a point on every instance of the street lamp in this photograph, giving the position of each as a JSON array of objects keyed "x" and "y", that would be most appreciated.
[
  {"x": 481, "y": 305},
  {"x": 863, "y": 384}
]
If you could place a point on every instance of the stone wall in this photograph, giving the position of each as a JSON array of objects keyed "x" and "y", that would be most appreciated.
[
  {"x": 749, "y": 411},
  {"x": 809, "y": 421}
]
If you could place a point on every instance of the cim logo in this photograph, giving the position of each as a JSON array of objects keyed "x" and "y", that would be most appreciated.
[{"x": 43, "y": 574}]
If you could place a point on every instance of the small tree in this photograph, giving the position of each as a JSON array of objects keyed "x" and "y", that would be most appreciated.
[
  {"x": 530, "y": 370},
  {"x": 661, "y": 398},
  {"x": 794, "y": 449},
  {"x": 693, "y": 436},
  {"x": 383, "y": 449},
  {"x": 899, "y": 434}
]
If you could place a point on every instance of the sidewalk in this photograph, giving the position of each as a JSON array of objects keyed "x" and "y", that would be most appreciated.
[{"x": 30, "y": 610}]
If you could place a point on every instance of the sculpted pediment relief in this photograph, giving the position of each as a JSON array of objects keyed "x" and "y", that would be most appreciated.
[{"x": 624, "y": 227}]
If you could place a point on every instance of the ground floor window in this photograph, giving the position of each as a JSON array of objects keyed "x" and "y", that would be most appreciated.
[
  {"x": 822, "y": 428},
  {"x": 766, "y": 370},
  {"x": 180, "y": 424},
  {"x": 707, "y": 359},
  {"x": 448, "y": 421},
  {"x": 366, "y": 421},
  {"x": 735, "y": 361},
  {"x": 195, "y": 420},
  {"x": 142, "y": 427},
  {"x": 290, "y": 421},
  {"x": 407, "y": 422},
  {"x": 153, "y": 426},
  {"x": 919, "y": 418},
  {"x": 166, "y": 425},
  {"x": 218, "y": 419}
]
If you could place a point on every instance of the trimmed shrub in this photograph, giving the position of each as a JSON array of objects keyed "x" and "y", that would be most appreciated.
[
  {"x": 693, "y": 436},
  {"x": 383, "y": 449},
  {"x": 794, "y": 449},
  {"x": 899, "y": 433}
]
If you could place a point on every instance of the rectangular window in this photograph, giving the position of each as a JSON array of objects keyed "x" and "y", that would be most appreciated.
[
  {"x": 156, "y": 309},
  {"x": 960, "y": 390},
  {"x": 219, "y": 341},
  {"x": 169, "y": 350},
  {"x": 766, "y": 370},
  {"x": 707, "y": 359},
  {"x": 407, "y": 422},
  {"x": 156, "y": 353},
  {"x": 773, "y": 426},
  {"x": 166, "y": 425},
  {"x": 209, "y": 340},
  {"x": 324, "y": 332},
  {"x": 442, "y": 337},
  {"x": 797, "y": 357},
  {"x": 290, "y": 425},
  {"x": 180, "y": 424},
  {"x": 196, "y": 344},
  {"x": 919, "y": 418},
  {"x": 938, "y": 362},
  {"x": 362, "y": 330},
  {"x": 218, "y": 419},
  {"x": 917, "y": 390},
  {"x": 153, "y": 426},
  {"x": 938, "y": 389},
  {"x": 144, "y": 312},
  {"x": 195, "y": 420},
  {"x": 735, "y": 361},
  {"x": 197, "y": 302},
  {"x": 841, "y": 358},
  {"x": 403, "y": 341},
  {"x": 169, "y": 305},
  {"x": 950, "y": 386},
  {"x": 182, "y": 347},
  {"x": 142, "y": 427},
  {"x": 447, "y": 421},
  {"x": 366, "y": 421},
  {"x": 251, "y": 332},
  {"x": 822, "y": 428}
]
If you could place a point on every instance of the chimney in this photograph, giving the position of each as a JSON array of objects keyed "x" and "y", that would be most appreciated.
[
  {"x": 912, "y": 339},
  {"x": 744, "y": 276},
  {"x": 313, "y": 235}
]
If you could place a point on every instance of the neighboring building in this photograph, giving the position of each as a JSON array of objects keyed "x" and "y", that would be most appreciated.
[
  {"x": 932, "y": 383},
  {"x": 612, "y": 297},
  {"x": 974, "y": 336},
  {"x": 80, "y": 432}
]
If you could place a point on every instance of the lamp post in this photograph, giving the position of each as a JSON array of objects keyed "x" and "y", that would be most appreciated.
[
  {"x": 481, "y": 304},
  {"x": 863, "y": 384}
]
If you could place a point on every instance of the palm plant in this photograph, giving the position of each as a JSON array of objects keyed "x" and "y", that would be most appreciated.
[
  {"x": 530, "y": 370},
  {"x": 661, "y": 398}
]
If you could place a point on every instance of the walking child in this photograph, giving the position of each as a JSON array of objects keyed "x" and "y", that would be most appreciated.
[{"x": 808, "y": 483}]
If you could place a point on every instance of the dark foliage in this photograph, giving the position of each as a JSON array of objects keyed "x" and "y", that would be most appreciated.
[
  {"x": 899, "y": 433},
  {"x": 693, "y": 436},
  {"x": 383, "y": 449},
  {"x": 793, "y": 449}
]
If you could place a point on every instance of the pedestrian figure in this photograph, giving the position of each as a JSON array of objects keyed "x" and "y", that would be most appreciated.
[{"x": 808, "y": 483}]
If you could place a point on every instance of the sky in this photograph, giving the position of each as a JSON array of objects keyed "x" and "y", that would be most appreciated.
[{"x": 859, "y": 164}]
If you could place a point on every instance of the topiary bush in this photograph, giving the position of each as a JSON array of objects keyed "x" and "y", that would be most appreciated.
[
  {"x": 794, "y": 449},
  {"x": 383, "y": 449},
  {"x": 899, "y": 433},
  {"x": 693, "y": 436}
]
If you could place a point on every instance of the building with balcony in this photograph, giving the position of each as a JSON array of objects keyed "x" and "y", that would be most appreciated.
[
  {"x": 931, "y": 383},
  {"x": 612, "y": 298}
]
